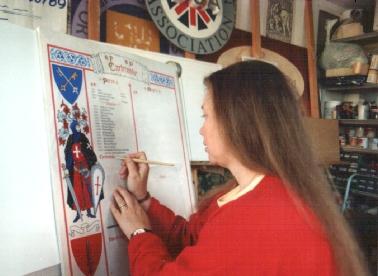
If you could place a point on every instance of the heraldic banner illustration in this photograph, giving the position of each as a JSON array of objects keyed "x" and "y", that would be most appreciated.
[{"x": 102, "y": 103}]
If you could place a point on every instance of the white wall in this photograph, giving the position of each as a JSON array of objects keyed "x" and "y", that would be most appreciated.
[{"x": 27, "y": 233}]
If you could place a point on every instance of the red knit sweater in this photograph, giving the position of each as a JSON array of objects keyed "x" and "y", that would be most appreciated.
[{"x": 261, "y": 233}]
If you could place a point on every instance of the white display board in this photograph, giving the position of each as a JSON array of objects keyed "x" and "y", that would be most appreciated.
[
  {"x": 101, "y": 103},
  {"x": 191, "y": 79},
  {"x": 145, "y": 111}
]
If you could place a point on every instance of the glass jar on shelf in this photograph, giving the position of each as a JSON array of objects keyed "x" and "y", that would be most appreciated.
[
  {"x": 362, "y": 110},
  {"x": 360, "y": 131}
]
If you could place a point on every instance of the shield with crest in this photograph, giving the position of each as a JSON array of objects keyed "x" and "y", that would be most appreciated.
[
  {"x": 87, "y": 252},
  {"x": 69, "y": 81},
  {"x": 97, "y": 184}
]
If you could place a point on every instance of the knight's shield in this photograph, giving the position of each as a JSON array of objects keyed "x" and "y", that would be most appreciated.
[
  {"x": 68, "y": 80},
  {"x": 97, "y": 184},
  {"x": 87, "y": 252}
]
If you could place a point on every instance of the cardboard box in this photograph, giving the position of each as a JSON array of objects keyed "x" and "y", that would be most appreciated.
[
  {"x": 357, "y": 68},
  {"x": 348, "y": 30},
  {"x": 324, "y": 138}
]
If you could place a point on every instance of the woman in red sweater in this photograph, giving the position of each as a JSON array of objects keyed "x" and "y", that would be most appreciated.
[{"x": 278, "y": 216}]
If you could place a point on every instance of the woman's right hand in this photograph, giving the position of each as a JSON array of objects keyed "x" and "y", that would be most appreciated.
[{"x": 136, "y": 174}]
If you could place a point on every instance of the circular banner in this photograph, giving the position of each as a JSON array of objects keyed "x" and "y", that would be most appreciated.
[{"x": 197, "y": 26}]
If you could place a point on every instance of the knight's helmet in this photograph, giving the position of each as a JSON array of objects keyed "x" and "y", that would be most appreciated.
[{"x": 75, "y": 129}]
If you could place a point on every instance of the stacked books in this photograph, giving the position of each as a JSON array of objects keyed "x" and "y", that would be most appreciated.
[{"x": 373, "y": 73}]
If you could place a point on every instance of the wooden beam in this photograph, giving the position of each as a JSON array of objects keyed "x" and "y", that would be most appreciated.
[
  {"x": 311, "y": 61},
  {"x": 94, "y": 19},
  {"x": 255, "y": 29}
]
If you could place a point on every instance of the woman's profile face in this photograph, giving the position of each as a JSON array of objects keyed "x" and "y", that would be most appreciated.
[{"x": 213, "y": 140}]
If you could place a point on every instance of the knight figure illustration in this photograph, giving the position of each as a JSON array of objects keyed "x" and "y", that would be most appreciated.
[{"x": 80, "y": 162}]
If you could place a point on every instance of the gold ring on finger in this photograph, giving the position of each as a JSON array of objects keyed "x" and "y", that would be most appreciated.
[{"x": 122, "y": 206}]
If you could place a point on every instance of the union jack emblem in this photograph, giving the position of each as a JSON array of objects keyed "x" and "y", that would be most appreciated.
[
  {"x": 197, "y": 26},
  {"x": 195, "y": 15}
]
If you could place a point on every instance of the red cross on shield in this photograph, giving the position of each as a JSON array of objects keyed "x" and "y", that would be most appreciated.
[{"x": 97, "y": 184}]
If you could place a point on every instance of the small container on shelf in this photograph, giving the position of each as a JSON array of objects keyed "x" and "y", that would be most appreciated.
[
  {"x": 362, "y": 110},
  {"x": 360, "y": 132},
  {"x": 362, "y": 142},
  {"x": 373, "y": 110},
  {"x": 342, "y": 141},
  {"x": 353, "y": 141},
  {"x": 373, "y": 143},
  {"x": 351, "y": 132},
  {"x": 370, "y": 132},
  {"x": 330, "y": 111},
  {"x": 346, "y": 110}
]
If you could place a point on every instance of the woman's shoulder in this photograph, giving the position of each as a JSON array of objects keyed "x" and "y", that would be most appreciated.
[
  {"x": 272, "y": 191},
  {"x": 273, "y": 203}
]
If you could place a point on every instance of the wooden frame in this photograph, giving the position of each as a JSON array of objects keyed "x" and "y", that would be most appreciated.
[
  {"x": 311, "y": 58},
  {"x": 311, "y": 61},
  {"x": 94, "y": 19}
]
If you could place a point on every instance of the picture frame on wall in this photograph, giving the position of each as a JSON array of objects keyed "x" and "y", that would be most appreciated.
[{"x": 279, "y": 19}]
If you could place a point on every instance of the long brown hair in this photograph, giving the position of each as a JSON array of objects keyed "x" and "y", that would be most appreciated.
[{"x": 262, "y": 121}]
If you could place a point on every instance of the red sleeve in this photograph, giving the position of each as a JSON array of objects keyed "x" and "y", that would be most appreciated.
[
  {"x": 149, "y": 256},
  {"x": 175, "y": 231},
  {"x": 148, "y": 253}
]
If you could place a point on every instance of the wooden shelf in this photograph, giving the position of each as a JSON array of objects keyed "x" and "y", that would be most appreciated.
[
  {"x": 362, "y": 88},
  {"x": 370, "y": 122},
  {"x": 355, "y": 191},
  {"x": 358, "y": 150},
  {"x": 363, "y": 39}
]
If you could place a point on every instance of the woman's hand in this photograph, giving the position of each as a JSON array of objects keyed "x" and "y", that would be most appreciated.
[
  {"x": 127, "y": 212},
  {"x": 136, "y": 174}
]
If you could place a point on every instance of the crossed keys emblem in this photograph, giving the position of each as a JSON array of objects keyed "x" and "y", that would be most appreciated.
[
  {"x": 63, "y": 87},
  {"x": 68, "y": 80}
]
